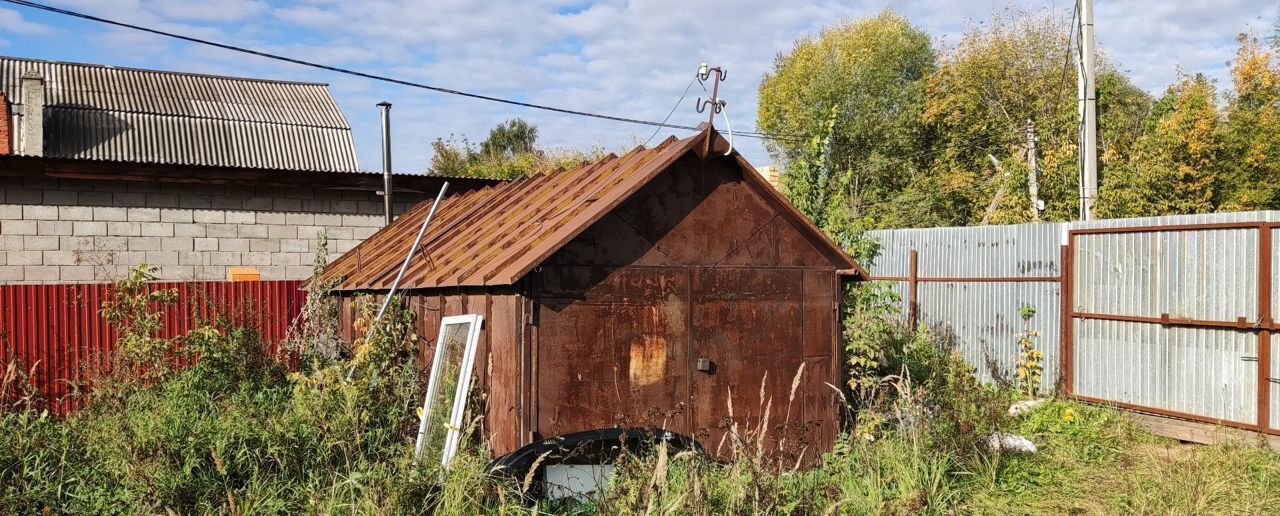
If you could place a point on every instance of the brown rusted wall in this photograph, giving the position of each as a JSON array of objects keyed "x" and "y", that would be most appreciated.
[
  {"x": 497, "y": 365},
  {"x": 697, "y": 264}
]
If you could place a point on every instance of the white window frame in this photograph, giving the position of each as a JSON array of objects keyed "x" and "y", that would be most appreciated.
[{"x": 454, "y": 435}]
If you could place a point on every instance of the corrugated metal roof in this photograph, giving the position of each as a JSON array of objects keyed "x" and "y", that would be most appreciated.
[
  {"x": 149, "y": 116},
  {"x": 494, "y": 235}
]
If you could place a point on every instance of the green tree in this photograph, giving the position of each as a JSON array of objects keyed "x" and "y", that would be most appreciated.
[
  {"x": 510, "y": 151},
  {"x": 1173, "y": 167},
  {"x": 856, "y": 88},
  {"x": 1251, "y": 130}
]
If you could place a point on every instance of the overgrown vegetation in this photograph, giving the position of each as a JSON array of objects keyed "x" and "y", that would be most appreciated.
[
  {"x": 510, "y": 151},
  {"x": 235, "y": 433}
]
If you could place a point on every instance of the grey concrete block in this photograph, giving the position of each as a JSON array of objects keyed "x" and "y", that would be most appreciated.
[
  {"x": 162, "y": 257},
  {"x": 328, "y": 219},
  {"x": 297, "y": 272},
  {"x": 210, "y": 216},
  {"x": 144, "y": 244},
  {"x": 144, "y": 214},
  {"x": 294, "y": 245},
  {"x": 75, "y": 273},
  {"x": 177, "y": 244},
  {"x": 95, "y": 198},
  {"x": 129, "y": 200},
  {"x": 89, "y": 228},
  {"x": 227, "y": 202},
  {"x": 363, "y": 233},
  {"x": 309, "y": 232},
  {"x": 233, "y": 244},
  {"x": 198, "y": 230},
  {"x": 178, "y": 273},
  {"x": 4, "y": 258},
  {"x": 59, "y": 258},
  {"x": 193, "y": 258},
  {"x": 41, "y": 273},
  {"x": 37, "y": 212},
  {"x": 12, "y": 274},
  {"x": 344, "y": 207},
  {"x": 316, "y": 206},
  {"x": 17, "y": 258},
  {"x": 223, "y": 258},
  {"x": 163, "y": 200},
  {"x": 194, "y": 201},
  {"x": 258, "y": 204},
  {"x": 75, "y": 212},
  {"x": 342, "y": 246},
  {"x": 61, "y": 197},
  {"x": 254, "y": 231},
  {"x": 23, "y": 196},
  {"x": 40, "y": 243},
  {"x": 353, "y": 221},
  {"x": 280, "y": 204},
  {"x": 54, "y": 227},
  {"x": 10, "y": 211},
  {"x": 299, "y": 219},
  {"x": 76, "y": 243},
  {"x": 272, "y": 272},
  {"x": 340, "y": 233},
  {"x": 10, "y": 242},
  {"x": 255, "y": 259},
  {"x": 241, "y": 217},
  {"x": 110, "y": 243},
  {"x": 157, "y": 229},
  {"x": 282, "y": 232},
  {"x": 271, "y": 217},
  {"x": 291, "y": 259},
  {"x": 205, "y": 244},
  {"x": 267, "y": 246},
  {"x": 110, "y": 213},
  {"x": 125, "y": 228},
  {"x": 181, "y": 215}
]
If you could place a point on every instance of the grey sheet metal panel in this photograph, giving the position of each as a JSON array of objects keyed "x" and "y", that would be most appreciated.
[
  {"x": 986, "y": 324},
  {"x": 121, "y": 114},
  {"x": 1206, "y": 372},
  {"x": 1209, "y": 274},
  {"x": 981, "y": 251},
  {"x": 175, "y": 93},
  {"x": 1274, "y": 382}
]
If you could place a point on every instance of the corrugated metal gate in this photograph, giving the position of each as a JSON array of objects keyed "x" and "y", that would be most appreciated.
[
  {"x": 57, "y": 329},
  {"x": 1168, "y": 315}
]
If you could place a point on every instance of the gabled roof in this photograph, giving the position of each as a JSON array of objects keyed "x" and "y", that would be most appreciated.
[
  {"x": 148, "y": 116},
  {"x": 497, "y": 234}
]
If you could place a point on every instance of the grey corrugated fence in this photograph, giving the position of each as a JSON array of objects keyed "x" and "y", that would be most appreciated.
[{"x": 1170, "y": 315}]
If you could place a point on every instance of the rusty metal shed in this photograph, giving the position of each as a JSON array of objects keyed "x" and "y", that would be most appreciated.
[{"x": 604, "y": 287}]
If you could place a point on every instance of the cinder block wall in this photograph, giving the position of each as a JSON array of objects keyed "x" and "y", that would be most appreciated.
[{"x": 68, "y": 231}]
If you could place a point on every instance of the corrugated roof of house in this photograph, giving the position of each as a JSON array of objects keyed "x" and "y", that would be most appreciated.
[
  {"x": 149, "y": 116},
  {"x": 497, "y": 234}
]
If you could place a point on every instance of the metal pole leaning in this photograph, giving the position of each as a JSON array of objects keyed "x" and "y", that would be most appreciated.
[{"x": 408, "y": 257}]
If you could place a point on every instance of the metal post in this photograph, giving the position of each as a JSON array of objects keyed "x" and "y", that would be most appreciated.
[
  {"x": 1088, "y": 114},
  {"x": 386, "y": 159}
]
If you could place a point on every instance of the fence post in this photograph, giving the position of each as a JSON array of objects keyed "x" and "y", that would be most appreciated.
[
  {"x": 1066, "y": 349},
  {"x": 913, "y": 282},
  {"x": 1264, "y": 324}
]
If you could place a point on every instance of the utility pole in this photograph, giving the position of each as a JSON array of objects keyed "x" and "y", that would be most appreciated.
[
  {"x": 715, "y": 103},
  {"x": 1088, "y": 114},
  {"x": 1033, "y": 177}
]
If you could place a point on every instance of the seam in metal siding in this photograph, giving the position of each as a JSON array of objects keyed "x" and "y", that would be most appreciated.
[{"x": 58, "y": 330}]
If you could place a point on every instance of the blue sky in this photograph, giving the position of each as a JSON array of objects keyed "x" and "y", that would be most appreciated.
[{"x": 625, "y": 58}]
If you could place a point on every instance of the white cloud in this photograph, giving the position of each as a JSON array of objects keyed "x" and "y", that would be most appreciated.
[
  {"x": 628, "y": 58},
  {"x": 13, "y": 22}
]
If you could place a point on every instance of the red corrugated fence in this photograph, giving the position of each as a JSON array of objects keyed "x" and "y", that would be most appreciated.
[{"x": 57, "y": 330}]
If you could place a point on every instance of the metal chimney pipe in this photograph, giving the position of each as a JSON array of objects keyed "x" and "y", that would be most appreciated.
[{"x": 386, "y": 158}]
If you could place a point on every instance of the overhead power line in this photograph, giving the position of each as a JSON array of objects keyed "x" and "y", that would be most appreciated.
[{"x": 376, "y": 77}]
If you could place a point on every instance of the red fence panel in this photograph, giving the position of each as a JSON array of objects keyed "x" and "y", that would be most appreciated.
[{"x": 57, "y": 331}]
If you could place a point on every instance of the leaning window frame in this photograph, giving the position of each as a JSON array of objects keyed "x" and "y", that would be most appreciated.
[{"x": 458, "y": 407}]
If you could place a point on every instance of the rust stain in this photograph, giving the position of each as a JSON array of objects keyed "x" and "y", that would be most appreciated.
[{"x": 648, "y": 355}]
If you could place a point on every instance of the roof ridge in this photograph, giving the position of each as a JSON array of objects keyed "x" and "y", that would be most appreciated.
[{"x": 168, "y": 72}]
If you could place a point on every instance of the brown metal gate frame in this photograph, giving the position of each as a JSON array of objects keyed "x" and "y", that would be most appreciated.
[{"x": 1263, "y": 324}]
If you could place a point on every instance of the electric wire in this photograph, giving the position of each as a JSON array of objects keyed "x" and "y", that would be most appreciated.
[{"x": 673, "y": 110}]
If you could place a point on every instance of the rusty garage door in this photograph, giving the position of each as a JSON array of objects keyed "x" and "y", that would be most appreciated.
[{"x": 612, "y": 349}]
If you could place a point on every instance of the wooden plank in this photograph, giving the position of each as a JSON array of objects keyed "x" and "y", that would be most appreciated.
[{"x": 1202, "y": 433}]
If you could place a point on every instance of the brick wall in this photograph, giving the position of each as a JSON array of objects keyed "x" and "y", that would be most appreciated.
[{"x": 65, "y": 231}]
